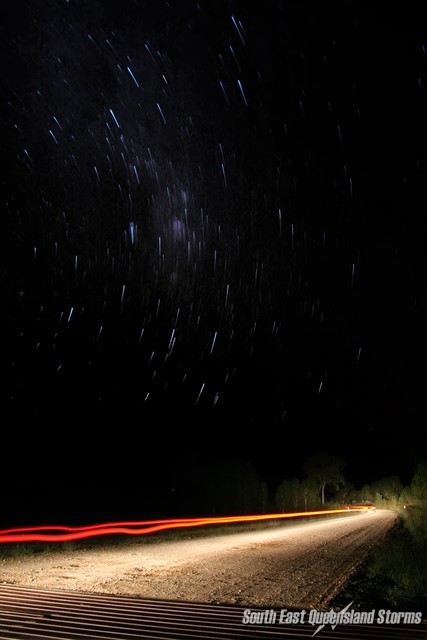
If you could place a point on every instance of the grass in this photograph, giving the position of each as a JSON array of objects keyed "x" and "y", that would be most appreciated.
[{"x": 395, "y": 575}]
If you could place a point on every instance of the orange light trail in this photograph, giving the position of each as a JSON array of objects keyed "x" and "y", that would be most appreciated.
[{"x": 62, "y": 533}]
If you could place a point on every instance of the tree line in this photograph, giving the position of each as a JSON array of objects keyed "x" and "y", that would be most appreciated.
[
  {"x": 324, "y": 483},
  {"x": 233, "y": 486}
]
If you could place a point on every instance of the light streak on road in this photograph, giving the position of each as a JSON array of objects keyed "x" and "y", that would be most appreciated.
[{"x": 61, "y": 533}]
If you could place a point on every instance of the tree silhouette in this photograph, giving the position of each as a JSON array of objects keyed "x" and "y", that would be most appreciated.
[
  {"x": 387, "y": 488},
  {"x": 418, "y": 486},
  {"x": 325, "y": 469}
]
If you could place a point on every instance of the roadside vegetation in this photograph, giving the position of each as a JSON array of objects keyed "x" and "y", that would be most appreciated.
[{"x": 395, "y": 575}]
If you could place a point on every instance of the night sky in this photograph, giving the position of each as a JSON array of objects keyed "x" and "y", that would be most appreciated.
[{"x": 212, "y": 244}]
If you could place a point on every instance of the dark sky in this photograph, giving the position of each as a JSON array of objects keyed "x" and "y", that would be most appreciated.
[{"x": 212, "y": 242}]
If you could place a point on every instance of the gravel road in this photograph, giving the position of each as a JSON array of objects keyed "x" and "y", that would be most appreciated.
[{"x": 295, "y": 566}]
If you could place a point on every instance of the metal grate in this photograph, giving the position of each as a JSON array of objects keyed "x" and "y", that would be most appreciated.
[{"x": 35, "y": 614}]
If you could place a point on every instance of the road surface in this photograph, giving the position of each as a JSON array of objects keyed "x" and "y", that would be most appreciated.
[{"x": 303, "y": 565}]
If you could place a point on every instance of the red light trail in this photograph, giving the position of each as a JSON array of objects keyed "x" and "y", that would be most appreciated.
[{"x": 62, "y": 533}]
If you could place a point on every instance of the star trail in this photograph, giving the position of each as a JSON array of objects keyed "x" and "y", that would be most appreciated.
[{"x": 210, "y": 237}]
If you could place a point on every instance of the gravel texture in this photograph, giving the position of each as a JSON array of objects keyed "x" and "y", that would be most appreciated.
[{"x": 299, "y": 565}]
